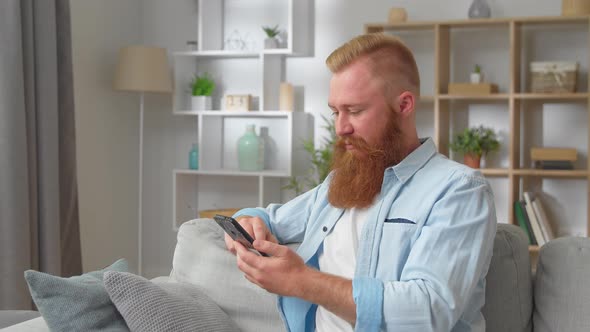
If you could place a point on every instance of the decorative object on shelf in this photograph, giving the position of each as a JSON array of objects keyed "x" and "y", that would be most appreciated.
[
  {"x": 235, "y": 42},
  {"x": 397, "y": 15},
  {"x": 553, "y": 77},
  {"x": 192, "y": 45},
  {"x": 193, "y": 157},
  {"x": 286, "y": 97},
  {"x": 223, "y": 211},
  {"x": 476, "y": 75},
  {"x": 271, "y": 40},
  {"x": 479, "y": 9},
  {"x": 321, "y": 161},
  {"x": 238, "y": 102},
  {"x": 472, "y": 89},
  {"x": 142, "y": 69},
  {"x": 575, "y": 7},
  {"x": 201, "y": 89},
  {"x": 270, "y": 147},
  {"x": 474, "y": 143},
  {"x": 553, "y": 158},
  {"x": 250, "y": 151}
]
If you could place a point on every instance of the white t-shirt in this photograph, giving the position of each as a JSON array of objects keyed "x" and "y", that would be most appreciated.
[{"x": 339, "y": 258}]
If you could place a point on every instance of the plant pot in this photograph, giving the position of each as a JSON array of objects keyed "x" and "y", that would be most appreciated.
[
  {"x": 201, "y": 103},
  {"x": 476, "y": 78},
  {"x": 270, "y": 43},
  {"x": 472, "y": 160}
]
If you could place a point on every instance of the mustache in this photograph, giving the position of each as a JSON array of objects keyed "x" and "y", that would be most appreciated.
[{"x": 358, "y": 143}]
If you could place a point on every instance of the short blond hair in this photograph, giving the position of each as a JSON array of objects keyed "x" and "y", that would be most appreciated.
[{"x": 389, "y": 58}]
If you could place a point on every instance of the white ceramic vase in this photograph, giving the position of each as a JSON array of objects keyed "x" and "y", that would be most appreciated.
[
  {"x": 201, "y": 103},
  {"x": 270, "y": 43}
]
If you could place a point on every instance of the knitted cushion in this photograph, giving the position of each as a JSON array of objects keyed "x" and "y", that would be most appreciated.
[{"x": 164, "y": 306}]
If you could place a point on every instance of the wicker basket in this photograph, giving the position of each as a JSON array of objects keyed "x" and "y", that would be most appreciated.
[{"x": 553, "y": 77}]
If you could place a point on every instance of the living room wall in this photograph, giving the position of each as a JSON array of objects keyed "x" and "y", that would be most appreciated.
[{"x": 108, "y": 121}]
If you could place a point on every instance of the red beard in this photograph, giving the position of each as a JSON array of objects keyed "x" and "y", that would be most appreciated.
[{"x": 358, "y": 174}]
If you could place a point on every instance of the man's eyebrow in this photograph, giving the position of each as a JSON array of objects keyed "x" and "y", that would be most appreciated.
[{"x": 345, "y": 106}]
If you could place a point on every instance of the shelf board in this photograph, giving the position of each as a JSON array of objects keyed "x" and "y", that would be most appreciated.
[
  {"x": 241, "y": 114},
  {"x": 232, "y": 172},
  {"x": 582, "y": 96},
  {"x": 218, "y": 54},
  {"x": 236, "y": 54},
  {"x": 551, "y": 173},
  {"x": 474, "y": 23},
  {"x": 492, "y": 96},
  {"x": 426, "y": 99},
  {"x": 552, "y": 19},
  {"x": 495, "y": 171}
]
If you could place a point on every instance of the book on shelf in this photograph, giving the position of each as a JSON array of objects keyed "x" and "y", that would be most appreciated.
[
  {"x": 535, "y": 225},
  {"x": 555, "y": 154},
  {"x": 553, "y": 164},
  {"x": 523, "y": 221},
  {"x": 541, "y": 215}
]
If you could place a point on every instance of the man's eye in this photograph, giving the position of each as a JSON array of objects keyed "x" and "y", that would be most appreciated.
[
  {"x": 353, "y": 112},
  {"x": 334, "y": 113}
]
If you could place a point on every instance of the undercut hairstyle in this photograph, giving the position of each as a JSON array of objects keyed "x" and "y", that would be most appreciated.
[{"x": 388, "y": 57}]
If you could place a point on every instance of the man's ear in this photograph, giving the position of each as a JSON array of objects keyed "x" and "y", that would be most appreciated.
[{"x": 406, "y": 102}]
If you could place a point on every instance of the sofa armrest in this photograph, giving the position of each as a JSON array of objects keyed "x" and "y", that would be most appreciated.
[{"x": 562, "y": 296}]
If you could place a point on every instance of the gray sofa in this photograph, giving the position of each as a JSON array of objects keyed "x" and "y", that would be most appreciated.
[{"x": 561, "y": 301}]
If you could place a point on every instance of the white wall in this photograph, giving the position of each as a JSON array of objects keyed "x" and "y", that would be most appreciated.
[
  {"x": 107, "y": 159},
  {"x": 106, "y": 130}
]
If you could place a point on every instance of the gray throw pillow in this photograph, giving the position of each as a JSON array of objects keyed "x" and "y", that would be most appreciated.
[
  {"x": 201, "y": 259},
  {"x": 79, "y": 303},
  {"x": 164, "y": 306}
]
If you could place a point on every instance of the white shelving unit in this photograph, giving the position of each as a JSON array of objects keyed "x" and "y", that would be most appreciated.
[{"x": 218, "y": 183}]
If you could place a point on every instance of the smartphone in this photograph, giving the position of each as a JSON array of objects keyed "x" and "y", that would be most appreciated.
[{"x": 236, "y": 232}]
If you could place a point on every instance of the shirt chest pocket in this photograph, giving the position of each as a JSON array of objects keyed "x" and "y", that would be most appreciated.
[{"x": 395, "y": 246}]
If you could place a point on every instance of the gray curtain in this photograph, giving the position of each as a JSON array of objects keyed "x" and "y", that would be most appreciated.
[{"x": 39, "y": 226}]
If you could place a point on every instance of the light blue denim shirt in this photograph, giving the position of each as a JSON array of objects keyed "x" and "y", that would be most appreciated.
[{"x": 424, "y": 251}]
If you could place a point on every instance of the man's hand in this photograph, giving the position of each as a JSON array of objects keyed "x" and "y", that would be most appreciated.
[
  {"x": 279, "y": 274},
  {"x": 285, "y": 273},
  {"x": 255, "y": 227}
]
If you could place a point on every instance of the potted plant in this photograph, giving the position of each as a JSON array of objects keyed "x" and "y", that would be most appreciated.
[
  {"x": 321, "y": 161},
  {"x": 202, "y": 87},
  {"x": 476, "y": 76},
  {"x": 474, "y": 143},
  {"x": 271, "y": 34}
]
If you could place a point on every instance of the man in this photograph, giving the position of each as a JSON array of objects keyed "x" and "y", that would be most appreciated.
[{"x": 398, "y": 237}]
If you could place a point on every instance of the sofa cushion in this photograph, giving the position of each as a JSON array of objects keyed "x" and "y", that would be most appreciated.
[
  {"x": 508, "y": 305},
  {"x": 164, "y": 306},
  {"x": 200, "y": 258},
  {"x": 562, "y": 297},
  {"x": 79, "y": 303}
]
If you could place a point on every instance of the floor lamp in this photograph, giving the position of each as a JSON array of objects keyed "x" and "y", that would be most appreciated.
[{"x": 142, "y": 69}]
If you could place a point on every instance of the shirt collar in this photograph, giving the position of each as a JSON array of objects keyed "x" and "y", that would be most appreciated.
[{"x": 414, "y": 161}]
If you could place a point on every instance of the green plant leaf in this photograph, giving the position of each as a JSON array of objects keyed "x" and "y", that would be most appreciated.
[
  {"x": 476, "y": 140},
  {"x": 202, "y": 85}
]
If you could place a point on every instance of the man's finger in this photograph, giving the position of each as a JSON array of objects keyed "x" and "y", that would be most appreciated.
[{"x": 270, "y": 248}]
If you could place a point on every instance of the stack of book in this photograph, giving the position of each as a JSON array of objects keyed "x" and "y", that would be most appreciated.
[
  {"x": 554, "y": 158},
  {"x": 532, "y": 218}
]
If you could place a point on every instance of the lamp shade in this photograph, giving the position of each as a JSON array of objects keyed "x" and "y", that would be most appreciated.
[{"x": 143, "y": 69}]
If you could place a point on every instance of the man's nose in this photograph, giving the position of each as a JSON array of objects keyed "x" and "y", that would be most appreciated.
[{"x": 343, "y": 125}]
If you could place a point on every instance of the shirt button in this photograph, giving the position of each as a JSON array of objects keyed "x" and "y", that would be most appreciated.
[{"x": 325, "y": 229}]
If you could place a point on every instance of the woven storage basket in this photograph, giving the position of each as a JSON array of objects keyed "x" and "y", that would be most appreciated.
[{"x": 553, "y": 77}]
